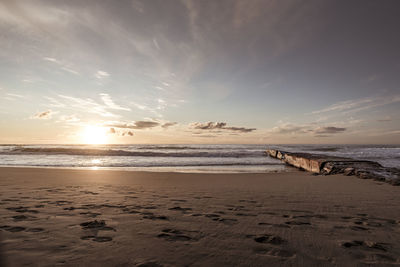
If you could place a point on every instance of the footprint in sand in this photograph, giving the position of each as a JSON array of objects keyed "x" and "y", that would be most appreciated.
[
  {"x": 178, "y": 208},
  {"x": 212, "y": 215},
  {"x": 22, "y": 209},
  {"x": 245, "y": 214},
  {"x": 12, "y": 229},
  {"x": 274, "y": 252},
  {"x": 229, "y": 221},
  {"x": 298, "y": 223},
  {"x": 178, "y": 235},
  {"x": 97, "y": 238},
  {"x": 130, "y": 211},
  {"x": 90, "y": 214},
  {"x": 155, "y": 217},
  {"x": 10, "y": 200},
  {"x": 311, "y": 216},
  {"x": 149, "y": 264},
  {"x": 278, "y": 225},
  {"x": 18, "y": 218},
  {"x": 365, "y": 245},
  {"x": 358, "y": 228},
  {"x": 35, "y": 230},
  {"x": 269, "y": 213},
  {"x": 89, "y": 192},
  {"x": 96, "y": 225},
  {"x": 60, "y": 202},
  {"x": 370, "y": 252},
  {"x": 270, "y": 239},
  {"x": 179, "y": 200}
]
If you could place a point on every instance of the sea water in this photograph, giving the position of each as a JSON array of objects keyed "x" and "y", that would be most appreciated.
[{"x": 182, "y": 158}]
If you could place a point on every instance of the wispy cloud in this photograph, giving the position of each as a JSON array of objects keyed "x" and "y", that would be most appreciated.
[
  {"x": 308, "y": 128},
  {"x": 54, "y": 102},
  {"x": 87, "y": 105},
  {"x": 110, "y": 103},
  {"x": 385, "y": 119},
  {"x": 63, "y": 66},
  {"x": 12, "y": 97},
  {"x": 15, "y": 95},
  {"x": 69, "y": 118},
  {"x": 351, "y": 106},
  {"x": 100, "y": 74}
]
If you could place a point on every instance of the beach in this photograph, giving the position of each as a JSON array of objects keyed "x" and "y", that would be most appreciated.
[{"x": 125, "y": 218}]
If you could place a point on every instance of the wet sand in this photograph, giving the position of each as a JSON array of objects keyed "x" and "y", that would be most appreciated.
[{"x": 113, "y": 218}]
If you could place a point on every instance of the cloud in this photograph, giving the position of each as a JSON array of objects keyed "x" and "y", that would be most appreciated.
[
  {"x": 88, "y": 105},
  {"x": 112, "y": 130},
  {"x": 51, "y": 59},
  {"x": 10, "y": 96},
  {"x": 219, "y": 125},
  {"x": 45, "y": 115},
  {"x": 69, "y": 119},
  {"x": 385, "y": 119},
  {"x": 110, "y": 103},
  {"x": 168, "y": 124},
  {"x": 289, "y": 128},
  {"x": 208, "y": 125},
  {"x": 359, "y": 104},
  {"x": 70, "y": 70},
  {"x": 310, "y": 128},
  {"x": 16, "y": 95},
  {"x": 64, "y": 66},
  {"x": 101, "y": 74},
  {"x": 329, "y": 130},
  {"x": 137, "y": 125}
]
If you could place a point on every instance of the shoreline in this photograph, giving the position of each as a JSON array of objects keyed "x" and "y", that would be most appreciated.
[
  {"x": 106, "y": 218},
  {"x": 286, "y": 168}
]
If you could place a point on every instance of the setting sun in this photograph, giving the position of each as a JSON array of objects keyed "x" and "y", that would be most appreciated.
[{"x": 94, "y": 135}]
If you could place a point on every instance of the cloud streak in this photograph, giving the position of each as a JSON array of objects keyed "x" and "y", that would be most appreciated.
[
  {"x": 101, "y": 74},
  {"x": 220, "y": 126},
  {"x": 44, "y": 115},
  {"x": 63, "y": 66},
  {"x": 137, "y": 125},
  {"x": 310, "y": 129},
  {"x": 110, "y": 103},
  {"x": 351, "y": 106}
]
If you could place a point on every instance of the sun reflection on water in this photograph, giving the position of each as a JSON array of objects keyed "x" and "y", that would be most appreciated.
[{"x": 95, "y": 162}]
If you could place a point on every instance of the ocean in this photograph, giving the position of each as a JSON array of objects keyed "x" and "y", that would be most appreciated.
[{"x": 182, "y": 158}]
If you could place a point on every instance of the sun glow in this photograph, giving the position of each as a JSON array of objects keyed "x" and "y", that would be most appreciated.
[{"x": 94, "y": 135}]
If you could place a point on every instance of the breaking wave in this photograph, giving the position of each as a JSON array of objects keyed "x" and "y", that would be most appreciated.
[{"x": 215, "y": 153}]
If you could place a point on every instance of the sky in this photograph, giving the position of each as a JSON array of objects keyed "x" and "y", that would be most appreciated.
[{"x": 235, "y": 71}]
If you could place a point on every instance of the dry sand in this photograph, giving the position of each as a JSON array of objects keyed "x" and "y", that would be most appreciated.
[{"x": 113, "y": 218}]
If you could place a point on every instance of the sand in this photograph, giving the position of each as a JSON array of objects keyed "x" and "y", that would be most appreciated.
[{"x": 113, "y": 218}]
